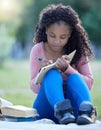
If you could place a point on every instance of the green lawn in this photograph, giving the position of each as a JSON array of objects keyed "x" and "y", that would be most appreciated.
[
  {"x": 14, "y": 83},
  {"x": 96, "y": 91}
]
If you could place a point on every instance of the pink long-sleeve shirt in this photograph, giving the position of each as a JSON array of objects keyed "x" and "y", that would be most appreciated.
[{"x": 82, "y": 67}]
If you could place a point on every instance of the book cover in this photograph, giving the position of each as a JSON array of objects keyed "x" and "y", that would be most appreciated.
[
  {"x": 4, "y": 103},
  {"x": 20, "y": 119},
  {"x": 45, "y": 69},
  {"x": 18, "y": 111}
]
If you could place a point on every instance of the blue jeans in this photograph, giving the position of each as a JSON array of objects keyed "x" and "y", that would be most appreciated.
[{"x": 51, "y": 92}]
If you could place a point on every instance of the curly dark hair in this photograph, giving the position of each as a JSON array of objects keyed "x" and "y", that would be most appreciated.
[{"x": 78, "y": 41}]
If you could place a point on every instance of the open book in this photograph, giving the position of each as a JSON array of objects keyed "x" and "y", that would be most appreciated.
[
  {"x": 10, "y": 110},
  {"x": 45, "y": 69},
  {"x": 18, "y": 111}
]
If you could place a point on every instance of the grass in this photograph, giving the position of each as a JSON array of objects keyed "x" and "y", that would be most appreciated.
[
  {"x": 14, "y": 83},
  {"x": 96, "y": 91}
]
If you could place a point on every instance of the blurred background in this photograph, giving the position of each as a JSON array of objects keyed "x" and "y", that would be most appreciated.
[{"x": 18, "y": 19}]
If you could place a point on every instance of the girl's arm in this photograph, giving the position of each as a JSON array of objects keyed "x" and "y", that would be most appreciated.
[
  {"x": 83, "y": 68},
  {"x": 34, "y": 69}
]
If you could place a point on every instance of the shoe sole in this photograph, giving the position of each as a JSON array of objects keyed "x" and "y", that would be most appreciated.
[
  {"x": 83, "y": 121},
  {"x": 67, "y": 121}
]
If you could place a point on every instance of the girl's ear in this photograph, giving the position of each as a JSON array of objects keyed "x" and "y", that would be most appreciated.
[
  {"x": 46, "y": 31},
  {"x": 70, "y": 33}
]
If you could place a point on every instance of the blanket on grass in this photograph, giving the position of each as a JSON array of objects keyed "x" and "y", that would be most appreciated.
[{"x": 46, "y": 124}]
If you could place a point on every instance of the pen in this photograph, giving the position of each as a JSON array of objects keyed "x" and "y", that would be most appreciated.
[
  {"x": 44, "y": 60},
  {"x": 39, "y": 58}
]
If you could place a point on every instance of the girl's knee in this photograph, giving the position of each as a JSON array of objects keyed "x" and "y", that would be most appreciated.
[
  {"x": 53, "y": 71},
  {"x": 74, "y": 77},
  {"x": 53, "y": 74},
  {"x": 77, "y": 80}
]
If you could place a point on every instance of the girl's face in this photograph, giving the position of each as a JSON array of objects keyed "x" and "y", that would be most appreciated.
[{"x": 58, "y": 35}]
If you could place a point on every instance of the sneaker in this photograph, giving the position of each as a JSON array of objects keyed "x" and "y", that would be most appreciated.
[
  {"x": 87, "y": 114},
  {"x": 63, "y": 112}
]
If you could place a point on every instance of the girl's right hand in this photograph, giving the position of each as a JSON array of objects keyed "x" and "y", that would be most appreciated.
[{"x": 46, "y": 62}]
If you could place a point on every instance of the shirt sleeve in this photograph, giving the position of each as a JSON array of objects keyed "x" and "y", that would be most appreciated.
[
  {"x": 83, "y": 68},
  {"x": 34, "y": 68}
]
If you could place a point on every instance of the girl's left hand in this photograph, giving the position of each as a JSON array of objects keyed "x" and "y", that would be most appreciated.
[{"x": 62, "y": 63}]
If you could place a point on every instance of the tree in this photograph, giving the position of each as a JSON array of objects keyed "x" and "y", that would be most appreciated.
[
  {"x": 92, "y": 21},
  {"x": 88, "y": 10}
]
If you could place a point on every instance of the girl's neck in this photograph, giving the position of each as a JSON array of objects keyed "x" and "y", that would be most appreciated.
[{"x": 50, "y": 54}]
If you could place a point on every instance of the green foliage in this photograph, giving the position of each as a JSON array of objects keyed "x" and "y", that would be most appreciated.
[
  {"x": 92, "y": 21},
  {"x": 5, "y": 44},
  {"x": 88, "y": 10}
]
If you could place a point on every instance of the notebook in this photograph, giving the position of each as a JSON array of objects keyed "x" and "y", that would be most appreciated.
[{"x": 45, "y": 69}]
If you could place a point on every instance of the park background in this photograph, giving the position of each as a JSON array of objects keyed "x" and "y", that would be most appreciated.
[{"x": 18, "y": 19}]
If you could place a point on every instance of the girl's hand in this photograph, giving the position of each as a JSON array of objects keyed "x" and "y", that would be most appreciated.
[
  {"x": 62, "y": 63},
  {"x": 46, "y": 62}
]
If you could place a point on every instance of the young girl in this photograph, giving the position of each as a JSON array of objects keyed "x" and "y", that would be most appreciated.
[{"x": 64, "y": 94}]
